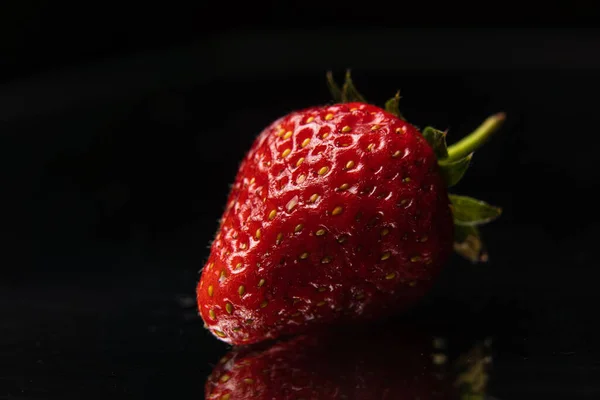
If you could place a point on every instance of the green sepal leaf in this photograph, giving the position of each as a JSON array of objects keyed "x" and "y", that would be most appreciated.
[
  {"x": 452, "y": 172},
  {"x": 349, "y": 91},
  {"x": 437, "y": 140},
  {"x": 471, "y": 212},
  {"x": 468, "y": 243},
  {"x": 393, "y": 106},
  {"x": 334, "y": 89}
]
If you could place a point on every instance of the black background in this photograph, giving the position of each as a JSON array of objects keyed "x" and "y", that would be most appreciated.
[{"x": 122, "y": 128}]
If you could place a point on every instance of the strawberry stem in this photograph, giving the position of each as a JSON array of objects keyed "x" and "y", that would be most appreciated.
[{"x": 477, "y": 138}]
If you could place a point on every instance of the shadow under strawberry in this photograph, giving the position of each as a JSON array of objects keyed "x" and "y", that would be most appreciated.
[{"x": 383, "y": 361}]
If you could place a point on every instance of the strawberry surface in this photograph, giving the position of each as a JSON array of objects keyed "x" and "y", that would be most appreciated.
[{"x": 338, "y": 213}]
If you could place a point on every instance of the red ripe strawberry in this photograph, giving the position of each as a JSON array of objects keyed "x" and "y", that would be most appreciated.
[
  {"x": 337, "y": 366},
  {"x": 338, "y": 213}
]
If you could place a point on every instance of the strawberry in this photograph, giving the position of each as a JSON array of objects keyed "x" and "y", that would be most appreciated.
[
  {"x": 338, "y": 213},
  {"x": 334, "y": 365}
]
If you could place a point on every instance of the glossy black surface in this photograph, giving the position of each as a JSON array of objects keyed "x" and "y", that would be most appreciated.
[{"x": 115, "y": 171}]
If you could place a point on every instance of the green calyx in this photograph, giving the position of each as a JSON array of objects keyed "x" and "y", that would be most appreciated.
[
  {"x": 347, "y": 93},
  {"x": 393, "y": 106},
  {"x": 453, "y": 162}
]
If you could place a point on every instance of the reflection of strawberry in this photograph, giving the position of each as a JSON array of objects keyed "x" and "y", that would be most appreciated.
[
  {"x": 396, "y": 364},
  {"x": 337, "y": 213}
]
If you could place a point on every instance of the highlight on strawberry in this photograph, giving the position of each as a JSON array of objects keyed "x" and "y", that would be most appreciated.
[{"x": 339, "y": 213}]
